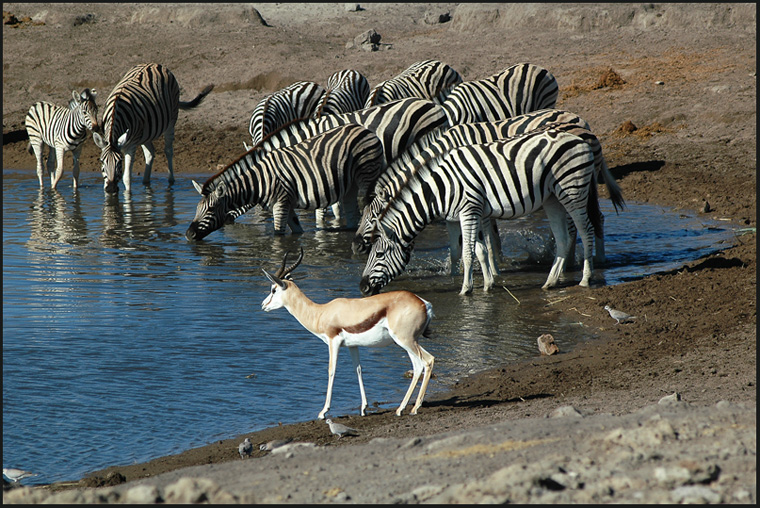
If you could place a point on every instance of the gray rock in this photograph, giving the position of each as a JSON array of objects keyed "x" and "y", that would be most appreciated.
[
  {"x": 564, "y": 411},
  {"x": 692, "y": 494},
  {"x": 142, "y": 494}
]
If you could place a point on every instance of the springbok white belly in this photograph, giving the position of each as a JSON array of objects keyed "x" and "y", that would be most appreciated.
[{"x": 377, "y": 336}]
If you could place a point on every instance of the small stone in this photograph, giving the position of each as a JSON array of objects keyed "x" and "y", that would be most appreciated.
[{"x": 546, "y": 345}]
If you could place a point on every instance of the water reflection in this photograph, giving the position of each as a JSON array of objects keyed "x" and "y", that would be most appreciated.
[{"x": 53, "y": 222}]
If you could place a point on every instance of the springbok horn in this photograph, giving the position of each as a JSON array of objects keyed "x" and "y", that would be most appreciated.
[
  {"x": 282, "y": 272},
  {"x": 273, "y": 279}
]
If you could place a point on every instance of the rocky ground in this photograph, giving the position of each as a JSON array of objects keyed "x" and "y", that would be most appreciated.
[{"x": 678, "y": 125}]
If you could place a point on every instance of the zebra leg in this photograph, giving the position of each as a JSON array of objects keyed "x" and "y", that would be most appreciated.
[
  {"x": 586, "y": 230},
  {"x": 455, "y": 246},
  {"x": 39, "y": 154},
  {"x": 493, "y": 243},
  {"x": 129, "y": 157},
  {"x": 470, "y": 227},
  {"x": 572, "y": 238},
  {"x": 337, "y": 210},
  {"x": 56, "y": 177},
  {"x": 484, "y": 257},
  {"x": 75, "y": 170},
  {"x": 319, "y": 217},
  {"x": 599, "y": 255},
  {"x": 557, "y": 216},
  {"x": 149, "y": 151},
  {"x": 282, "y": 213},
  {"x": 169, "y": 151}
]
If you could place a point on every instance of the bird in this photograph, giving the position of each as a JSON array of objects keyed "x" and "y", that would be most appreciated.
[
  {"x": 619, "y": 316},
  {"x": 245, "y": 448},
  {"x": 271, "y": 445},
  {"x": 341, "y": 430},
  {"x": 17, "y": 474}
]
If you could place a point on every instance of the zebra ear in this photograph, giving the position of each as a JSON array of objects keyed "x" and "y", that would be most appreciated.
[
  {"x": 198, "y": 187},
  {"x": 220, "y": 189},
  {"x": 77, "y": 97},
  {"x": 122, "y": 140},
  {"x": 99, "y": 141}
]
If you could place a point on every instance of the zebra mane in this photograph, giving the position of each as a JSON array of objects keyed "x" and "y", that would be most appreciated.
[{"x": 253, "y": 151}]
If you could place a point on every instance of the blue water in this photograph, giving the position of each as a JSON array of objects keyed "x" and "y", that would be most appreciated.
[{"x": 123, "y": 342}]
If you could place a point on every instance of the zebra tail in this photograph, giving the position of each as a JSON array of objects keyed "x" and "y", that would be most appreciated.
[
  {"x": 616, "y": 194},
  {"x": 193, "y": 103},
  {"x": 593, "y": 211},
  {"x": 30, "y": 149}
]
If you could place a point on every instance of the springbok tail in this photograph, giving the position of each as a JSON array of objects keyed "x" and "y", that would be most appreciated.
[{"x": 193, "y": 103}]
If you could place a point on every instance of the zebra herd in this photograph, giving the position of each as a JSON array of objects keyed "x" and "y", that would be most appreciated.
[{"x": 422, "y": 146}]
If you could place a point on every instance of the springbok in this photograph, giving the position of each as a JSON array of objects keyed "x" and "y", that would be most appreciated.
[{"x": 379, "y": 320}]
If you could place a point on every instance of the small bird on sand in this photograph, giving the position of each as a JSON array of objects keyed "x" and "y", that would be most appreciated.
[
  {"x": 618, "y": 315},
  {"x": 245, "y": 448},
  {"x": 271, "y": 445},
  {"x": 341, "y": 430},
  {"x": 17, "y": 474}
]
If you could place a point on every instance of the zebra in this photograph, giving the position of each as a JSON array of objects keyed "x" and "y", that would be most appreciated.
[
  {"x": 293, "y": 102},
  {"x": 518, "y": 89},
  {"x": 340, "y": 163},
  {"x": 506, "y": 179},
  {"x": 62, "y": 129},
  {"x": 397, "y": 124},
  {"x": 142, "y": 106},
  {"x": 429, "y": 146},
  {"x": 346, "y": 91},
  {"x": 428, "y": 79}
]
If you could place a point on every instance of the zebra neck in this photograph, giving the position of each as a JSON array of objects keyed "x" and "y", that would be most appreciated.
[{"x": 415, "y": 206}]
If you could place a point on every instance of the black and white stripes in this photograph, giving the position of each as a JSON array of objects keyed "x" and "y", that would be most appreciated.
[
  {"x": 503, "y": 179},
  {"x": 346, "y": 91},
  {"x": 341, "y": 163},
  {"x": 294, "y": 102},
  {"x": 142, "y": 107},
  {"x": 428, "y": 79},
  {"x": 518, "y": 89},
  {"x": 63, "y": 130}
]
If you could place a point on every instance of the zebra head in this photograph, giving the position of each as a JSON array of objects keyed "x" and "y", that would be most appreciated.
[
  {"x": 362, "y": 242},
  {"x": 212, "y": 210},
  {"x": 387, "y": 259},
  {"x": 111, "y": 160},
  {"x": 84, "y": 104}
]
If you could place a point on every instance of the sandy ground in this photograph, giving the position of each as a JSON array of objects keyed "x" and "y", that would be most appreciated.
[{"x": 680, "y": 130}]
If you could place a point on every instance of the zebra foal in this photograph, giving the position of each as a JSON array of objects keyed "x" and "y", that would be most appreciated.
[
  {"x": 339, "y": 164},
  {"x": 504, "y": 179},
  {"x": 63, "y": 130},
  {"x": 142, "y": 107}
]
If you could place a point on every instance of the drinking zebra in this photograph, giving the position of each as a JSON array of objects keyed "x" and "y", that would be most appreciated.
[
  {"x": 505, "y": 179},
  {"x": 395, "y": 177},
  {"x": 518, "y": 89},
  {"x": 293, "y": 102},
  {"x": 341, "y": 163},
  {"x": 346, "y": 91},
  {"x": 142, "y": 107},
  {"x": 398, "y": 125},
  {"x": 63, "y": 130},
  {"x": 428, "y": 79}
]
